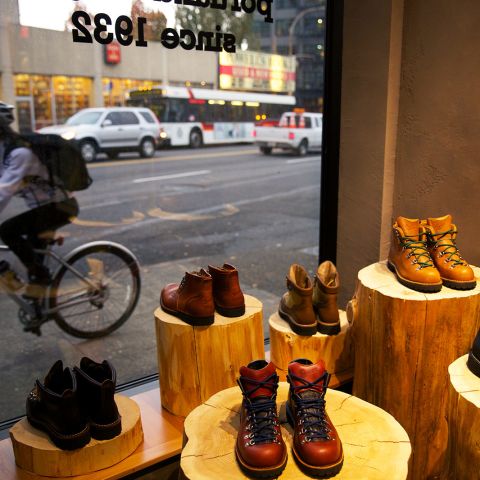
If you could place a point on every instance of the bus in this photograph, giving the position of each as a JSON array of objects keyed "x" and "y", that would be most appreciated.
[{"x": 197, "y": 116}]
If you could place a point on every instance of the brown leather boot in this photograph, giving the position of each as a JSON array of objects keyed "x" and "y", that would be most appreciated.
[
  {"x": 325, "y": 290},
  {"x": 454, "y": 270},
  {"x": 192, "y": 300},
  {"x": 317, "y": 448},
  {"x": 260, "y": 449},
  {"x": 409, "y": 258},
  {"x": 227, "y": 294},
  {"x": 296, "y": 305}
]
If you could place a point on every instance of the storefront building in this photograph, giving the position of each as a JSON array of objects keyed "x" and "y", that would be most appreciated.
[{"x": 47, "y": 89}]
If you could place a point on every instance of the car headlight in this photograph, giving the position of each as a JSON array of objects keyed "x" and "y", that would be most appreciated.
[
  {"x": 70, "y": 135},
  {"x": 163, "y": 135}
]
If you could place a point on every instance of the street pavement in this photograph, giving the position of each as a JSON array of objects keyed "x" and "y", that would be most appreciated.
[{"x": 180, "y": 211}]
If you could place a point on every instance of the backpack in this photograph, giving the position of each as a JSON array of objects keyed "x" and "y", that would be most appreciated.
[{"x": 66, "y": 167}]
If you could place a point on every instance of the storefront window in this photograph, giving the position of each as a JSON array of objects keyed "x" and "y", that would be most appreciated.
[{"x": 193, "y": 190}]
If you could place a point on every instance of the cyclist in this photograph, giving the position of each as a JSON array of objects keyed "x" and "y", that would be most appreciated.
[{"x": 50, "y": 206}]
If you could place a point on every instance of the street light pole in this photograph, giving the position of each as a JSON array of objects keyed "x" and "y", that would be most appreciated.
[{"x": 299, "y": 16}]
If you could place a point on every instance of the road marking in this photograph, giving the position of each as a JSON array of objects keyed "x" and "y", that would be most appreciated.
[
  {"x": 173, "y": 175},
  {"x": 302, "y": 160},
  {"x": 144, "y": 161}
]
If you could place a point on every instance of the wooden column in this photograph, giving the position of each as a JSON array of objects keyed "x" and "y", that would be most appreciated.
[
  {"x": 463, "y": 422},
  {"x": 375, "y": 446},
  {"x": 404, "y": 342},
  {"x": 196, "y": 362},
  {"x": 335, "y": 350},
  {"x": 36, "y": 453}
]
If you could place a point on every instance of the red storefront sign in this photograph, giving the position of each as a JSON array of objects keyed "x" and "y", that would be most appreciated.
[{"x": 113, "y": 54}]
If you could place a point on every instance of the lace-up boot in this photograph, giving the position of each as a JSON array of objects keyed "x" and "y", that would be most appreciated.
[
  {"x": 192, "y": 300},
  {"x": 316, "y": 445},
  {"x": 409, "y": 258},
  {"x": 260, "y": 449},
  {"x": 227, "y": 294},
  {"x": 296, "y": 305},
  {"x": 454, "y": 270},
  {"x": 473, "y": 362},
  {"x": 96, "y": 389},
  {"x": 54, "y": 407},
  {"x": 325, "y": 290}
]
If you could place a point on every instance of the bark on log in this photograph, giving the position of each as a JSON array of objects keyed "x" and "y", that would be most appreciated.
[
  {"x": 404, "y": 342},
  {"x": 335, "y": 350},
  {"x": 463, "y": 422},
  {"x": 196, "y": 362},
  {"x": 375, "y": 446}
]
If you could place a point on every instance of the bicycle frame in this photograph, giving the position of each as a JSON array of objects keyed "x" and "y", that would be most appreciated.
[{"x": 29, "y": 307}]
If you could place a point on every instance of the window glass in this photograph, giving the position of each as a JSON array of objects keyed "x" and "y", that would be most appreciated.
[
  {"x": 147, "y": 116},
  {"x": 201, "y": 193},
  {"x": 128, "y": 118}
]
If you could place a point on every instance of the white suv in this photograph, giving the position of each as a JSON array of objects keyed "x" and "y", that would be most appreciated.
[{"x": 112, "y": 130}]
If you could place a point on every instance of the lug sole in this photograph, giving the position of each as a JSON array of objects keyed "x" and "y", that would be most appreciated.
[
  {"x": 106, "y": 432},
  {"x": 459, "y": 285},
  {"x": 270, "y": 472},
  {"x": 417, "y": 286},
  {"x": 231, "y": 312},
  {"x": 324, "y": 471},
  {"x": 305, "y": 330},
  {"x": 328, "y": 328},
  {"x": 64, "y": 442},
  {"x": 191, "y": 320},
  {"x": 473, "y": 364}
]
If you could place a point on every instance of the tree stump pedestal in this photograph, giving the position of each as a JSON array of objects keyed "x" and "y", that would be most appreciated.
[
  {"x": 404, "y": 342},
  {"x": 36, "y": 453},
  {"x": 375, "y": 446},
  {"x": 196, "y": 362},
  {"x": 463, "y": 422},
  {"x": 335, "y": 350}
]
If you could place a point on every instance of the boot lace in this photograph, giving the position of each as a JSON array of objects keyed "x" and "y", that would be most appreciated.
[
  {"x": 261, "y": 411},
  {"x": 311, "y": 407},
  {"x": 418, "y": 249},
  {"x": 450, "y": 248}
]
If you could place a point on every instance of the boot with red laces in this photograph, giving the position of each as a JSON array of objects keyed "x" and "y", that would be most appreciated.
[
  {"x": 317, "y": 447},
  {"x": 260, "y": 449},
  {"x": 454, "y": 270}
]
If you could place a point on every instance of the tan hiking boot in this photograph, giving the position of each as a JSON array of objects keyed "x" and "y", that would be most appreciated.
[
  {"x": 454, "y": 270},
  {"x": 325, "y": 290},
  {"x": 409, "y": 258},
  {"x": 296, "y": 305}
]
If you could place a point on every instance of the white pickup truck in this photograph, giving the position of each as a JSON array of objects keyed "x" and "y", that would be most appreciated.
[{"x": 299, "y": 132}]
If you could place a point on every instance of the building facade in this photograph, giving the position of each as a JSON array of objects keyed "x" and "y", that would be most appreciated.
[
  {"x": 299, "y": 30},
  {"x": 48, "y": 77}
]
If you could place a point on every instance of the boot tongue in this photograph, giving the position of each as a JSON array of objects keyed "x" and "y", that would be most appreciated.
[
  {"x": 258, "y": 374},
  {"x": 410, "y": 226},
  {"x": 441, "y": 224},
  {"x": 57, "y": 380},
  {"x": 310, "y": 373}
]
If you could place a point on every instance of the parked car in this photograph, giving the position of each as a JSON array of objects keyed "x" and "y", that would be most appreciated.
[
  {"x": 112, "y": 130},
  {"x": 298, "y": 132}
]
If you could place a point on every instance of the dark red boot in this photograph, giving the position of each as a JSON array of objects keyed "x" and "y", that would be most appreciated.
[
  {"x": 260, "y": 449},
  {"x": 316, "y": 445}
]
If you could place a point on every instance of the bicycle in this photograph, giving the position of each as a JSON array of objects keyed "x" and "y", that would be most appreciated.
[{"x": 93, "y": 291}]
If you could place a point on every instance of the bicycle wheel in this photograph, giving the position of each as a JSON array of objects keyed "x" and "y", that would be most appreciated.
[{"x": 97, "y": 292}]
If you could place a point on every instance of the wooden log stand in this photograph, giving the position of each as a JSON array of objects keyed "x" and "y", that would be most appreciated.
[
  {"x": 375, "y": 446},
  {"x": 335, "y": 350},
  {"x": 36, "y": 453},
  {"x": 404, "y": 342},
  {"x": 196, "y": 362},
  {"x": 463, "y": 422}
]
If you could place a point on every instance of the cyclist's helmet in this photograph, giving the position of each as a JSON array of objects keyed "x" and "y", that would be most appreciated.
[{"x": 6, "y": 114}]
